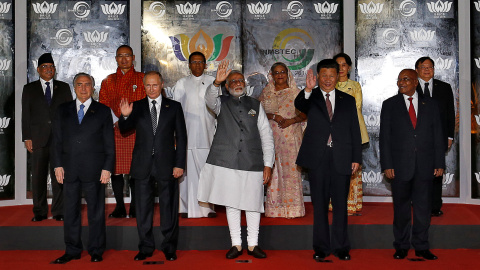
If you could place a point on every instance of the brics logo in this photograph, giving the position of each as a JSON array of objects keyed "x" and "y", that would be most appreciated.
[
  {"x": 372, "y": 120},
  {"x": 4, "y": 64},
  {"x": 371, "y": 8},
  {"x": 63, "y": 37},
  {"x": 44, "y": 10},
  {"x": 4, "y": 122},
  {"x": 215, "y": 49},
  {"x": 81, "y": 10},
  {"x": 477, "y": 5},
  {"x": 443, "y": 63},
  {"x": 259, "y": 10},
  {"x": 477, "y": 176},
  {"x": 188, "y": 9},
  {"x": 477, "y": 62},
  {"x": 447, "y": 178},
  {"x": 157, "y": 9},
  {"x": 325, "y": 8},
  {"x": 422, "y": 35},
  {"x": 5, "y": 7},
  {"x": 113, "y": 11},
  {"x": 4, "y": 180},
  {"x": 372, "y": 178},
  {"x": 95, "y": 36},
  {"x": 439, "y": 6}
]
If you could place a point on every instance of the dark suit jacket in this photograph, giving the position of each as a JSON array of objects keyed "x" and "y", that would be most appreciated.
[
  {"x": 344, "y": 128},
  {"x": 442, "y": 93},
  {"x": 402, "y": 147},
  {"x": 37, "y": 116},
  {"x": 169, "y": 141},
  {"x": 83, "y": 150}
]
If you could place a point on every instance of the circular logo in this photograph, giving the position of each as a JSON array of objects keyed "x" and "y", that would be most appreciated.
[
  {"x": 408, "y": 8},
  {"x": 295, "y": 9},
  {"x": 295, "y": 46},
  {"x": 224, "y": 9},
  {"x": 157, "y": 9},
  {"x": 390, "y": 36},
  {"x": 64, "y": 37},
  {"x": 81, "y": 9}
]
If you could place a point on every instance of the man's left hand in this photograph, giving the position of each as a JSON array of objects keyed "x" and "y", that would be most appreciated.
[
  {"x": 438, "y": 172},
  {"x": 104, "y": 177},
  {"x": 267, "y": 174},
  {"x": 450, "y": 142},
  {"x": 355, "y": 167},
  {"x": 177, "y": 172}
]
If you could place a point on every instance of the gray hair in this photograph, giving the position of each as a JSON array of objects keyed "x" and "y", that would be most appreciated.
[
  {"x": 83, "y": 74},
  {"x": 152, "y": 72},
  {"x": 234, "y": 72}
]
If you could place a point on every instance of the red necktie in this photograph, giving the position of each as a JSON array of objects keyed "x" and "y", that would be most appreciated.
[{"x": 411, "y": 112}]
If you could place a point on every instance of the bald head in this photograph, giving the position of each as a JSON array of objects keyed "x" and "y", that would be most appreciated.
[{"x": 407, "y": 82}]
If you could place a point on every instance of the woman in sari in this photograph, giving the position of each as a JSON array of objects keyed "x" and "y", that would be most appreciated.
[{"x": 285, "y": 190}]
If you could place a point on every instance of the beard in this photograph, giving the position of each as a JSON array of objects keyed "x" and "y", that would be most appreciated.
[{"x": 235, "y": 92}]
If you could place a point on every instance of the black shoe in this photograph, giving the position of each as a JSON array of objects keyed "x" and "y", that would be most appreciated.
[
  {"x": 212, "y": 215},
  {"x": 319, "y": 255},
  {"x": 400, "y": 254},
  {"x": 257, "y": 252},
  {"x": 183, "y": 215},
  {"x": 437, "y": 213},
  {"x": 132, "y": 215},
  {"x": 343, "y": 255},
  {"x": 38, "y": 218},
  {"x": 58, "y": 217},
  {"x": 170, "y": 256},
  {"x": 118, "y": 214},
  {"x": 233, "y": 253},
  {"x": 96, "y": 258},
  {"x": 66, "y": 258},
  {"x": 426, "y": 254},
  {"x": 142, "y": 256}
]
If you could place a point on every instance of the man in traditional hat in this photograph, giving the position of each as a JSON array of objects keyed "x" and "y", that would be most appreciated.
[{"x": 40, "y": 100}]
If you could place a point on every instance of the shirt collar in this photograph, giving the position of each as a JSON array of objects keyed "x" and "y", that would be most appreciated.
[
  {"x": 86, "y": 103},
  {"x": 158, "y": 99},
  {"x": 43, "y": 81},
  {"x": 422, "y": 82},
  {"x": 415, "y": 96}
]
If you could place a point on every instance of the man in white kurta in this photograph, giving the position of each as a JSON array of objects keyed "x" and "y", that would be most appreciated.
[
  {"x": 200, "y": 121},
  {"x": 240, "y": 159}
]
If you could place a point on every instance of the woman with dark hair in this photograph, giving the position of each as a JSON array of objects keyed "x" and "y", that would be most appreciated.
[
  {"x": 285, "y": 191},
  {"x": 353, "y": 88}
]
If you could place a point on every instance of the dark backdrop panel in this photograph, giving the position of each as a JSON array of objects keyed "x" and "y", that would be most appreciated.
[
  {"x": 390, "y": 36},
  {"x": 81, "y": 35},
  {"x": 7, "y": 101},
  {"x": 475, "y": 97}
]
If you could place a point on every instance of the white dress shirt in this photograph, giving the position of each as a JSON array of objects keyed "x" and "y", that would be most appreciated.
[
  {"x": 86, "y": 104},
  {"x": 331, "y": 97},
  {"x": 157, "y": 105},
  {"x": 44, "y": 86}
]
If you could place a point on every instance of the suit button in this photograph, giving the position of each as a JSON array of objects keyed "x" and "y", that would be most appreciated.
[
  {"x": 241, "y": 129},
  {"x": 241, "y": 140},
  {"x": 240, "y": 111},
  {"x": 239, "y": 150}
]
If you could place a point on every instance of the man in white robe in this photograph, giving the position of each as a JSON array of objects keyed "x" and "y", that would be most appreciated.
[
  {"x": 200, "y": 121},
  {"x": 240, "y": 160}
]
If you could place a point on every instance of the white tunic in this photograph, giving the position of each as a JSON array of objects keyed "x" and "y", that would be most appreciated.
[
  {"x": 200, "y": 122},
  {"x": 236, "y": 188}
]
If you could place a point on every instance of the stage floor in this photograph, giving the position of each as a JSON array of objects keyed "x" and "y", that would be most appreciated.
[{"x": 459, "y": 227}]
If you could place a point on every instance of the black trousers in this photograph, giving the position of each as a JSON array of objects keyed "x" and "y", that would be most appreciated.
[
  {"x": 40, "y": 166},
  {"x": 325, "y": 184},
  {"x": 417, "y": 194},
  {"x": 94, "y": 192},
  {"x": 168, "y": 200}
]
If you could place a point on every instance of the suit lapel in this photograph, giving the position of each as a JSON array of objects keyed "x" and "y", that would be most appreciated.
[
  {"x": 146, "y": 112},
  {"x": 39, "y": 92},
  {"x": 164, "y": 110},
  {"x": 338, "y": 103},
  {"x": 320, "y": 100},
  {"x": 55, "y": 92},
  {"x": 421, "y": 108}
]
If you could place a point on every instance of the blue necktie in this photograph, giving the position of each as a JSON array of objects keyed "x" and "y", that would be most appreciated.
[
  {"x": 48, "y": 93},
  {"x": 81, "y": 114}
]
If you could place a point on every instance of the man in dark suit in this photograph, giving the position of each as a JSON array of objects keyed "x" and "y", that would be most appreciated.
[
  {"x": 331, "y": 151},
  {"x": 442, "y": 93},
  {"x": 158, "y": 156},
  {"x": 411, "y": 154},
  {"x": 83, "y": 157},
  {"x": 40, "y": 100}
]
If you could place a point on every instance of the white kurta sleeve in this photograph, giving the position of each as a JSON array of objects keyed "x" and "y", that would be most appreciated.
[
  {"x": 212, "y": 98},
  {"x": 266, "y": 136}
]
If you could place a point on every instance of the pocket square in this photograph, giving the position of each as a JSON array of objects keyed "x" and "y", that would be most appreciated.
[{"x": 252, "y": 112}]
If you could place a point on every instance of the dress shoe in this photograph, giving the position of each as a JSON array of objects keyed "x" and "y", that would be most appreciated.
[
  {"x": 257, "y": 253},
  {"x": 142, "y": 256},
  {"x": 170, "y": 256},
  {"x": 183, "y": 215},
  {"x": 58, "y": 217},
  {"x": 38, "y": 218},
  {"x": 319, "y": 255},
  {"x": 343, "y": 255},
  {"x": 118, "y": 214},
  {"x": 212, "y": 215},
  {"x": 96, "y": 258},
  {"x": 132, "y": 214},
  {"x": 400, "y": 254},
  {"x": 66, "y": 258},
  {"x": 426, "y": 254},
  {"x": 234, "y": 253},
  {"x": 437, "y": 213}
]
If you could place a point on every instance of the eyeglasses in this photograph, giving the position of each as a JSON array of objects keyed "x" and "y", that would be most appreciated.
[
  {"x": 197, "y": 62},
  {"x": 279, "y": 72},
  {"x": 426, "y": 67},
  {"x": 124, "y": 55},
  {"x": 47, "y": 66},
  {"x": 404, "y": 79},
  {"x": 233, "y": 82}
]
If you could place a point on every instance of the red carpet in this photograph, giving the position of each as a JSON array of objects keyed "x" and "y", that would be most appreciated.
[
  {"x": 373, "y": 213},
  {"x": 299, "y": 259}
]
